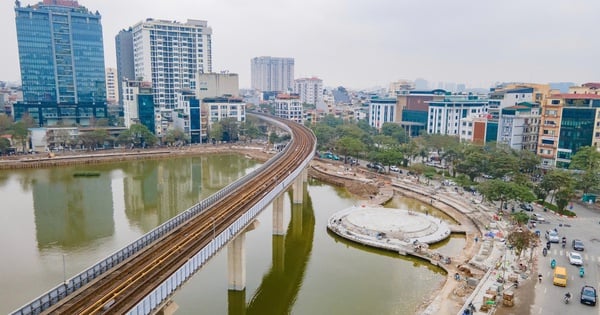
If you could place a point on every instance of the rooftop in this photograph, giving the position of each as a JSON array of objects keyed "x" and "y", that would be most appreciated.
[{"x": 576, "y": 96}]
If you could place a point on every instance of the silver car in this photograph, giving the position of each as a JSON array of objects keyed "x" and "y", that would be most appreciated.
[{"x": 552, "y": 236}]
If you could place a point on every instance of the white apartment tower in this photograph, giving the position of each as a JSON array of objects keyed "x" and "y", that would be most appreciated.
[
  {"x": 310, "y": 90},
  {"x": 444, "y": 117},
  {"x": 170, "y": 54},
  {"x": 272, "y": 73},
  {"x": 112, "y": 86}
]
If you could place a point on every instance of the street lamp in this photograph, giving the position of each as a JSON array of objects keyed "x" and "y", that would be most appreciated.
[{"x": 64, "y": 270}]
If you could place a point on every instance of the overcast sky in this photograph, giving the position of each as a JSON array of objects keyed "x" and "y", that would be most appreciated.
[{"x": 366, "y": 43}]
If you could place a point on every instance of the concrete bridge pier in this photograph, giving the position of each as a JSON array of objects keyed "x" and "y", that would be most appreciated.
[
  {"x": 236, "y": 260},
  {"x": 278, "y": 228},
  {"x": 298, "y": 189}
]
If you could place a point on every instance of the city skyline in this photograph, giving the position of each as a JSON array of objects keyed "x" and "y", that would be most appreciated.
[{"x": 361, "y": 45}]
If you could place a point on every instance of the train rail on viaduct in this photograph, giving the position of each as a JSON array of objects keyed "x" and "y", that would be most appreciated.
[{"x": 139, "y": 277}]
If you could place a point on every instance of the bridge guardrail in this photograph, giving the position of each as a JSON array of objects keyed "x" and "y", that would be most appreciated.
[
  {"x": 178, "y": 278},
  {"x": 61, "y": 291}
]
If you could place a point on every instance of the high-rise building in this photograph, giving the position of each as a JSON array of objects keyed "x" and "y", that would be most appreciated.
[
  {"x": 124, "y": 52},
  {"x": 61, "y": 56},
  {"x": 272, "y": 73},
  {"x": 170, "y": 54},
  {"x": 138, "y": 104},
  {"x": 310, "y": 90},
  {"x": 112, "y": 93}
]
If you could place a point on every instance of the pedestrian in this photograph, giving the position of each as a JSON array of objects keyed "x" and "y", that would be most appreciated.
[
  {"x": 476, "y": 239},
  {"x": 540, "y": 278}
]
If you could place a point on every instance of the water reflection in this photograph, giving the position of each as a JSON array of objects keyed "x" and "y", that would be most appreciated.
[
  {"x": 156, "y": 191},
  {"x": 70, "y": 211},
  {"x": 291, "y": 254}
]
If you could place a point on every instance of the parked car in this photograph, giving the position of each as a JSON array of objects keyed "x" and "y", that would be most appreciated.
[
  {"x": 575, "y": 259},
  {"x": 577, "y": 244},
  {"x": 552, "y": 236},
  {"x": 588, "y": 295},
  {"x": 526, "y": 206},
  {"x": 394, "y": 168}
]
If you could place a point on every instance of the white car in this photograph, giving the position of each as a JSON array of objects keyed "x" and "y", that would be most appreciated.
[
  {"x": 538, "y": 217},
  {"x": 575, "y": 259},
  {"x": 394, "y": 168}
]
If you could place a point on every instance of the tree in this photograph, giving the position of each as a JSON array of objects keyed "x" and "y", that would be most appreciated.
[
  {"x": 230, "y": 129},
  {"x": 20, "y": 134},
  {"x": 474, "y": 162},
  {"x": 137, "y": 136},
  {"x": 520, "y": 239},
  {"x": 5, "y": 123},
  {"x": 176, "y": 136},
  {"x": 216, "y": 132},
  {"x": 554, "y": 180},
  {"x": 349, "y": 146},
  {"x": 586, "y": 158},
  {"x": 498, "y": 190},
  {"x": 4, "y": 145}
]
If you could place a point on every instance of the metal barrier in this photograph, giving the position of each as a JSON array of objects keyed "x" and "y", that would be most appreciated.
[
  {"x": 171, "y": 284},
  {"x": 61, "y": 291}
]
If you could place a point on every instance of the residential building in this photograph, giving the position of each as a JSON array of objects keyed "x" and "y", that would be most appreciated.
[
  {"x": 170, "y": 54},
  {"x": 445, "y": 116},
  {"x": 382, "y": 110},
  {"x": 112, "y": 89},
  {"x": 187, "y": 117},
  {"x": 225, "y": 107},
  {"x": 213, "y": 85},
  {"x": 518, "y": 126},
  {"x": 474, "y": 129},
  {"x": 288, "y": 106},
  {"x": 125, "y": 64},
  {"x": 61, "y": 56},
  {"x": 310, "y": 90},
  {"x": 272, "y": 73},
  {"x": 138, "y": 105},
  {"x": 569, "y": 121}
]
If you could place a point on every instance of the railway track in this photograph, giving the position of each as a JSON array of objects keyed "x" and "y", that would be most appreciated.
[{"x": 121, "y": 288}]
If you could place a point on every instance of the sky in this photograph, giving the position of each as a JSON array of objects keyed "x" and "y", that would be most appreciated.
[{"x": 368, "y": 43}]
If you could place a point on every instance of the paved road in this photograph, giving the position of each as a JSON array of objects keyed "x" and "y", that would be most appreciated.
[{"x": 586, "y": 227}]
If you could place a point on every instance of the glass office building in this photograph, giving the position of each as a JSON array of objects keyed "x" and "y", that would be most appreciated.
[{"x": 61, "y": 55}]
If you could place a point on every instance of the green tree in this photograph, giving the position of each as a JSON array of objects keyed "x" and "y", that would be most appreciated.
[
  {"x": 349, "y": 146},
  {"x": 215, "y": 132},
  {"x": 554, "y": 180},
  {"x": 498, "y": 190},
  {"x": 4, "y": 145},
  {"x": 586, "y": 158},
  {"x": 587, "y": 161},
  {"x": 137, "y": 136},
  {"x": 5, "y": 123},
  {"x": 20, "y": 135}
]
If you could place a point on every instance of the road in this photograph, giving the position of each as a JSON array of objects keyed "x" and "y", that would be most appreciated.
[{"x": 586, "y": 226}]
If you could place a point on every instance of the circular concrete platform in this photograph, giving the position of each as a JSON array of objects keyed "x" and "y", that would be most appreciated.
[{"x": 388, "y": 228}]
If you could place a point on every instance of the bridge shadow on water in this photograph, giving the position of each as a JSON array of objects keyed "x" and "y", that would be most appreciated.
[{"x": 280, "y": 286}]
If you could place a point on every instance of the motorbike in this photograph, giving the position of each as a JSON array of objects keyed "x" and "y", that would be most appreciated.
[
  {"x": 553, "y": 263},
  {"x": 567, "y": 298},
  {"x": 581, "y": 272},
  {"x": 544, "y": 252},
  {"x": 548, "y": 245}
]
